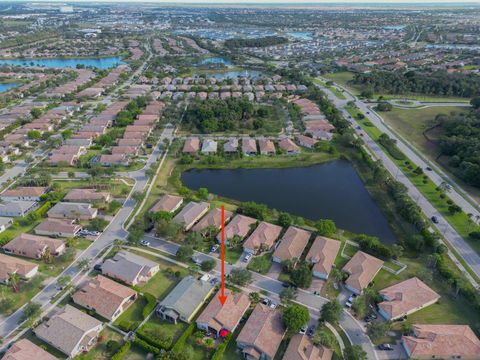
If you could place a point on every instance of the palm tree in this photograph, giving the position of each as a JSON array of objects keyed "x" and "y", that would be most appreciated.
[{"x": 14, "y": 280}]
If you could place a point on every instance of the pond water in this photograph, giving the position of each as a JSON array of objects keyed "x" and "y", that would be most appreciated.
[
  {"x": 301, "y": 35},
  {"x": 252, "y": 74},
  {"x": 216, "y": 60},
  {"x": 101, "y": 63},
  {"x": 7, "y": 86},
  {"x": 331, "y": 190}
]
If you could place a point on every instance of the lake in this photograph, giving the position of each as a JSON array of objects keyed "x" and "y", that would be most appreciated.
[
  {"x": 331, "y": 190},
  {"x": 7, "y": 86},
  {"x": 252, "y": 74},
  {"x": 216, "y": 60},
  {"x": 101, "y": 63},
  {"x": 301, "y": 35}
]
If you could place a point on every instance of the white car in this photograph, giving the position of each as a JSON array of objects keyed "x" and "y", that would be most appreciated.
[
  {"x": 348, "y": 304},
  {"x": 303, "y": 330},
  {"x": 145, "y": 243},
  {"x": 214, "y": 248},
  {"x": 247, "y": 257}
]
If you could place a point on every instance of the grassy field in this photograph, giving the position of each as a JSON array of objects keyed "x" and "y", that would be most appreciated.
[
  {"x": 459, "y": 221},
  {"x": 333, "y": 89}
]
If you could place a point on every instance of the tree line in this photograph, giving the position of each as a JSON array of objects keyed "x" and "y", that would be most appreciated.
[
  {"x": 437, "y": 83},
  {"x": 257, "y": 42}
]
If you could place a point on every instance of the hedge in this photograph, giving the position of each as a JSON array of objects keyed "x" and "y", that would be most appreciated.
[
  {"x": 166, "y": 344},
  {"x": 146, "y": 346},
  {"x": 122, "y": 351},
  {"x": 218, "y": 354},
  {"x": 128, "y": 326},
  {"x": 183, "y": 338},
  {"x": 151, "y": 303}
]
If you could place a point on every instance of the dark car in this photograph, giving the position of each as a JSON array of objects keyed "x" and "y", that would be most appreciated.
[
  {"x": 428, "y": 168},
  {"x": 386, "y": 347},
  {"x": 311, "y": 330},
  {"x": 434, "y": 219},
  {"x": 98, "y": 267}
]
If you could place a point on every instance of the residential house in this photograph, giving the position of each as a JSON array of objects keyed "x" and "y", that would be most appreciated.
[
  {"x": 262, "y": 238},
  {"x": 217, "y": 317},
  {"x": 168, "y": 203},
  {"x": 362, "y": 268},
  {"x": 191, "y": 146},
  {"x": 190, "y": 214},
  {"x": 130, "y": 268},
  {"x": 185, "y": 300},
  {"x": 288, "y": 146},
  {"x": 87, "y": 196},
  {"x": 262, "y": 334},
  {"x": 322, "y": 254},
  {"x": 406, "y": 297},
  {"x": 24, "y": 349},
  {"x": 70, "y": 210},
  {"x": 301, "y": 347},
  {"x": 306, "y": 141},
  {"x": 71, "y": 331},
  {"x": 239, "y": 226},
  {"x": 24, "y": 193},
  {"x": 249, "y": 146},
  {"x": 130, "y": 142},
  {"x": 292, "y": 245},
  {"x": 12, "y": 265},
  {"x": 213, "y": 219},
  {"x": 442, "y": 342},
  {"x": 17, "y": 208},
  {"x": 58, "y": 227},
  {"x": 5, "y": 223},
  {"x": 266, "y": 147},
  {"x": 106, "y": 297},
  {"x": 209, "y": 146},
  {"x": 113, "y": 159},
  {"x": 34, "y": 246},
  {"x": 231, "y": 146}
]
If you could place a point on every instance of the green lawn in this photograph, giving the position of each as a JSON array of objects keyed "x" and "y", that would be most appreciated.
[
  {"x": 99, "y": 351},
  {"x": 161, "y": 284},
  {"x": 260, "y": 264},
  {"x": 174, "y": 330},
  {"x": 134, "y": 312},
  {"x": 333, "y": 89},
  {"x": 232, "y": 255}
]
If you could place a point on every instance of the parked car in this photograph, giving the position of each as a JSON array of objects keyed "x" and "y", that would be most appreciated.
[
  {"x": 98, "y": 267},
  {"x": 303, "y": 330},
  {"x": 311, "y": 330},
  {"x": 386, "y": 347},
  {"x": 214, "y": 248},
  {"x": 348, "y": 304},
  {"x": 434, "y": 219},
  {"x": 247, "y": 257},
  {"x": 145, "y": 243},
  {"x": 428, "y": 168}
]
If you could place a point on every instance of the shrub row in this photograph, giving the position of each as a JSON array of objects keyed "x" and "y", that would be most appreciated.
[
  {"x": 183, "y": 338},
  {"x": 122, "y": 351},
  {"x": 218, "y": 354},
  {"x": 165, "y": 343},
  {"x": 151, "y": 302},
  {"x": 146, "y": 346}
]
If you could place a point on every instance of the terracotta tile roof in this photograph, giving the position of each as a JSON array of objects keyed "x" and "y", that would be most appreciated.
[
  {"x": 32, "y": 246},
  {"x": 22, "y": 191},
  {"x": 213, "y": 218},
  {"x": 191, "y": 213},
  {"x": 67, "y": 329},
  {"x": 265, "y": 234},
  {"x": 58, "y": 225},
  {"x": 10, "y": 265},
  {"x": 263, "y": 331},
  {"x": 228, "y": 316},
  {"x": 240, "y": 225},
  {"x": 266, "y": 146},
  {"x": 26, "y": 350},
  {"x": 249, "y": 145},
  {"x": 167, "y": 203},
  {"x": 293, "y": 243},
  {"x": 406, "y": 296},
  {"x": 442, "y": 341},
  {"x": 103, "y": 295},
  {"x": 86, "y": 195},
  {"x": 302, "y": 348},
  {"x": 288, "y": 145},
  {"x": 323, "y": 253},
  {"x": 362, "y": 269},
  {"x": 192, "y": 145},
  {"x": 306, "y": 140}
]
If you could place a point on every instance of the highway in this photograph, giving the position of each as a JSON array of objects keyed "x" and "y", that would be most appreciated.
[{"x": 449, "y": 233}]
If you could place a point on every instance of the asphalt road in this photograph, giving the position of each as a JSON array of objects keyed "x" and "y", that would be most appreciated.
[
  {"x": 449, "y": 233},
  {"x": 349, "y": 324}
]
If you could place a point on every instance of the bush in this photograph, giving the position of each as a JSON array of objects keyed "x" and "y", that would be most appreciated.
[
  {"x": 475, "y": 235},
  {"x": 156, "y": 337},
  {"x": 183, "y": 338},
  {"x": 112, "y": 346},
  {"x": 146, "y": 346},
  {"x": 128, "y": 326},
  {"x": 218, "y": 355},
  {"x": 151, "y": 302},
  {"x": 122, "y": 351}
]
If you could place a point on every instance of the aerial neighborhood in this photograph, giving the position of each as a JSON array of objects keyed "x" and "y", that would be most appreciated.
[{"x": 231, "y": 181}]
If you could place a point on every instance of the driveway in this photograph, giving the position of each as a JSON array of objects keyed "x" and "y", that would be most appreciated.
[
  {"x": 397, "y": 353},
  {"x": 275, "y": 270}
]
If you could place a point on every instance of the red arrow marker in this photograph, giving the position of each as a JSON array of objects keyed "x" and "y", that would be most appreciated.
[{"x": 222, "y": 296}]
